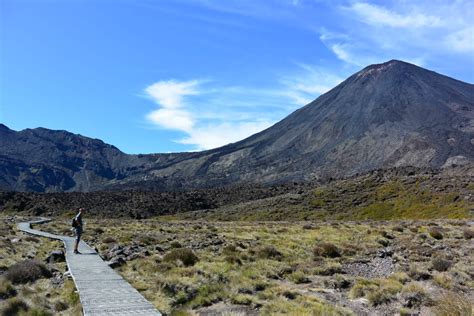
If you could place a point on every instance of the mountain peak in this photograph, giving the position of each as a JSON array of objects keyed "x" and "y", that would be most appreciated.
[
  {"x": 390, "y": 63},
  {"x": 387, "y": 115},
  {"x": 389, "y": 66}
]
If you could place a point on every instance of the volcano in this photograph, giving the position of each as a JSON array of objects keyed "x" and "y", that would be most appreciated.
[{"x": 387, "y": 115}]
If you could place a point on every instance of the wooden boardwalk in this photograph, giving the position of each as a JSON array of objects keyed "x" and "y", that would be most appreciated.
[{"x": 102, "y": 290}]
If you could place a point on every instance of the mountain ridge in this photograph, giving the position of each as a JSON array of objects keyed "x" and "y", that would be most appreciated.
[{"x": 386, "y": 115}]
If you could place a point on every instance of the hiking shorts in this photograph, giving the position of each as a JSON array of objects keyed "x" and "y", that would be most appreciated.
[{"x": 78, "y": 233}]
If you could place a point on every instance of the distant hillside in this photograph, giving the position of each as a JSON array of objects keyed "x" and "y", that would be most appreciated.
[
  {"x": 386, "y": 115},
  {"x": 394, "y": 194},
  {"x": 397, "y": 193}
]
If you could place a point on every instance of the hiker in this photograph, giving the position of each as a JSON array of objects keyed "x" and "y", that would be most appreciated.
[{"x": 77, "y": 225}]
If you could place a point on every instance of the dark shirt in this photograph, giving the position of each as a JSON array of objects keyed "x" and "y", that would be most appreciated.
[{"x": 79, "y": 221}]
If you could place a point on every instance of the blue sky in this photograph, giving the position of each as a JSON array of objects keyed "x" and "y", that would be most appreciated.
[{"x": 165, "y": 76}]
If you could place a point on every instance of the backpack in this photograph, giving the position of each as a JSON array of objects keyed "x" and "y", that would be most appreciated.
[{"x": 74, "y": 222}]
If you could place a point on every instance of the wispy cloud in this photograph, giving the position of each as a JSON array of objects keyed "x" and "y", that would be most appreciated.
[
  {"x": 206, "y": 122},
  {"x": 415, "y": 31},
  {"x": 378, "y": 15},
  {"x": 307, "y": 82},
  {"x": 215, "y": 135},
  {"x": 170, "y": 96},
  {"x": 210, "y": 115}
]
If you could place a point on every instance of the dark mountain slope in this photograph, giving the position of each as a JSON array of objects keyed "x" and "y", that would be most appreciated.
[
  {"x": 387, "y": 115},
  {"x": 392, "y": 114},
  {"x": 41, "y": 159}
]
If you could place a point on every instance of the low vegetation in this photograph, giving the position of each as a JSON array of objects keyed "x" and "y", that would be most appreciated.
[
  {"x": 26, "y": 271},
  {"x": 29, "y": 285},
  {"x": 297, "y": 268},
  {"x": 367, "y": 197}
]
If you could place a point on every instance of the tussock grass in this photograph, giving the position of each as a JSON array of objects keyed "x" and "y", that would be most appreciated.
[
  {"x": 270, "y": 266},
  {"x": 27, "y": 271},
  {"x": 183, "y": 255},
  {"x": 453, "y": 304}
]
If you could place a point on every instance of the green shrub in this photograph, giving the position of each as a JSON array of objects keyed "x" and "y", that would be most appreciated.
[
  {"x": 241, "y": 299},
  {"x": 468, "y": 233},
  {"x": 416, "y": 274},
  {"x": 363, "y": 287},
  {"x": 60, "y": 306},
  {"x": 325, "y": 249},
  {"x": 109, "y": 240},
  {"x": 6, "y": 289},
  {"x": 290, "y": 295},
  {"x": 27, "y": 271},
  {"x": 398, "y": 228},
  {"x": 413, "y": 295},
  {"x": 436, "y": 232},
  {"x": 440, "y": 264},
  {"x": 379, "y": 297},
  {"x": 233, "y": 259},
  {"x": 299, "y": 277},
  {"x": 32, "y": 239},
  {"x": 338, "y": 282},
  {"x": 329, "y": 269},
  {"x": 208, "y": 294},
  {"x": 13, "y": 306},
  {"x": 268, "y": 252},
  {"x": 384, "y": 242},
  {"x": 98, "y": 230},
  {"x": 387, "y": 235},
  {"x": 184, "y": 255},
  {"x": 378, "y": 291},
  {"x": 229, "y": 250},
  {"x": 176, "y": 244},
  {"x": 37, "y": 312}
]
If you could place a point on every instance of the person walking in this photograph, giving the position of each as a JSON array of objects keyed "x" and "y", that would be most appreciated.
[{"x": 78, "y": 228}]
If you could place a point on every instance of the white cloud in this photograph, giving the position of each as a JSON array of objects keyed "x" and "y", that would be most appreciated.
[
  {"x": 169, "y": 94},
  {"x": 211, "y": 122},
  {"x": 342, "y": 52},
  {"x": 216, "y": 135},
  {"x": 378, "y": 15},
  {"x": 172, "y": 119},
  {"x": 211, "y": 116},
  {"x": 416, "y": 31}
]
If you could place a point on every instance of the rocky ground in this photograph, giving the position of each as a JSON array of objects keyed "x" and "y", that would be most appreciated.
[
  {"x": 296, "y": 268},
  {"x": 380, "y": 195},
  {"x": 137, "y": 204},
  {"x": 397, "y": 193}
]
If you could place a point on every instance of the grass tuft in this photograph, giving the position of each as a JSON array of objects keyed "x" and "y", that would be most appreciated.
[
  {"x": 326, "y": 250},
  {"x": 184, "y": 255},
  {"x": 27, "y": 271}
]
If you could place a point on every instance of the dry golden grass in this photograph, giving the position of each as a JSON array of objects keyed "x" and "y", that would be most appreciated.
[{"x": 280, "y": 267}]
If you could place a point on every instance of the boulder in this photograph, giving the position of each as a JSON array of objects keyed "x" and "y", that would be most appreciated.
[{"x": 117, "y": 262}]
